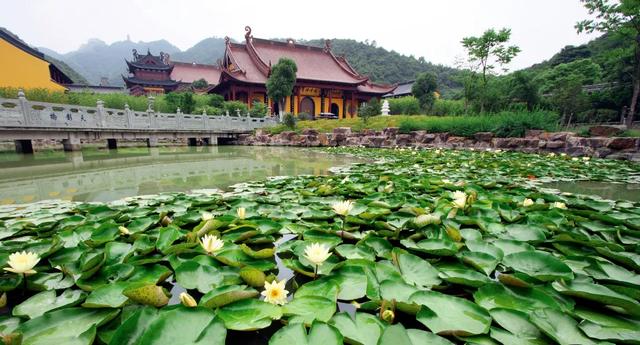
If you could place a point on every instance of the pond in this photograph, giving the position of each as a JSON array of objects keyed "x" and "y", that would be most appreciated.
[
  {"x": 106, "y": 175},
  {"x": 606, "y": 190}
]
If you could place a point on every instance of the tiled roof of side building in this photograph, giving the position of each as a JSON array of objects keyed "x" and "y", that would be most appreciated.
[
  {"x": 134, "y": 81},
  {"x": 189, "y": 72}
]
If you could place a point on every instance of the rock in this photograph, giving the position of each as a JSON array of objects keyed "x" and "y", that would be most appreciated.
[
  {"x": 404, "y": 139},
  {"x": 310, "y": 131},
  {"x": 533, "y": 133},
  {"x": 428, "y": 138},
  {"x": 561, "y": 135},
  {"x": 342, "y": 130},
  {"x": 606, "y": 131},
  {"x": 622, "y": 143},
  {"x": 483, "y": 136},
  {"x": 390, "y": 132},
  {"x": 555, "y": 144}
]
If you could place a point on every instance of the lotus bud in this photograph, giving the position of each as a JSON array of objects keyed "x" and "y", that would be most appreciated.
[
  {"x": 388, "y": 315},
  {"x": 527, "y": 202},
  {"x": 187, "y": 300},
  {"x": 560, "y": 205},
  {"x": 3, "y": 300},
  {"x": 241, "y": 212}
]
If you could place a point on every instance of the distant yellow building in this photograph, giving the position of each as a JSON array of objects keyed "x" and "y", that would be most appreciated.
[{"x": 24, "y": 67}]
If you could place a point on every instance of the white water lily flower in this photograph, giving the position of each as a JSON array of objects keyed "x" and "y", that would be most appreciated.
[
  {"x": 241, "y": 212},
  {"x": 211, "y": 244},
  {"x": 446, "y": 181},
  {"x": 574, "y": 159},
  {"x": 207, "y": 216},
  {"x": 560, "y": 205},
  {"x": 124, "y": 231},
  {"x": 317, "y": 253},
  {"x": 343, "y": 207},
  {"x": 552, "y": 154},
  {"x": 585, "y": 158},
  {"x": 275, "y": 292},
  {"x": 426, "y": 219},
  {"x": 527, "y": 202},
  {"x": 563, "y": 154},
  {"x": 22, "y": 262},
  {"x": 459, "y": 199},
  {"x": 187, "y": 300}
]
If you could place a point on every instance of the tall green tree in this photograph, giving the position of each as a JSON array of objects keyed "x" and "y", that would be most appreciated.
[
  {"x": 568, "y": 98},
  {"x": 487, "y": 52},
  {"x": 619, "y": 17},
  {"x": 281, "y": 81},
  {"x": 423, "y": 89},
  {"x": 525, "y": 89}
]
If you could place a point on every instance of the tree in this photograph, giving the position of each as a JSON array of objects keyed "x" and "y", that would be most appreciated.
[
  {"x": 525, "y": 89},
  {"x": 487, "y": 51},
  {"x": 369, "y": 109},
  {"x": 423, "y": 89},
  {"x": 200, "y": 84},
  {"x": 188, "y": 103},
  {"x": 621, "y": 17},
  {"x": 281, "y": 81},
  {"x": 568, "y": 98}
]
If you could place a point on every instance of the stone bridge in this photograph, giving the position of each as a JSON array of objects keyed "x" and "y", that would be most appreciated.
[{"x": 22, "y": 120}]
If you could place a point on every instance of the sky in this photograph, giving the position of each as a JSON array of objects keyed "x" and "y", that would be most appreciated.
[{"x": 428, "y": 28}]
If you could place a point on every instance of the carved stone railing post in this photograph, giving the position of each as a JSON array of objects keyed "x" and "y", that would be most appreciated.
[
  {"x": 205, "y": 119},
  {"x": 153, "y": 121},
  {"x": 128, "y": 116},
  {"x": 179, "y": 118},
  {"x": 100, "y": 114},
  {"x": 24, "y": 108}
]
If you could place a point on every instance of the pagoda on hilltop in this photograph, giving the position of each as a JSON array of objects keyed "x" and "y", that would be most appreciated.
[
  {"x": 149, "y": 74},
  {"x": 325, "y": 83}
]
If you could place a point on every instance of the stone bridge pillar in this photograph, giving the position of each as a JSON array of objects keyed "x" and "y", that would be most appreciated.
[
  {"x": 211, "y": 140},
  {"x": 75, "y": 158},
  {"x": 152, "y": 141},
  {"x": 72, "y": 143},
  {"x": 24, "y": 106}
]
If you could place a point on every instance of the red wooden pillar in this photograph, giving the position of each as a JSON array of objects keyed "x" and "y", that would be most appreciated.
[
  {"x": 298, "y": 102},
  {"x": 331, "y": 101},
  {"x": 249, "y": 98},
  {"x": 233, "y": 92},
  {"x": 353, "y": 109}
]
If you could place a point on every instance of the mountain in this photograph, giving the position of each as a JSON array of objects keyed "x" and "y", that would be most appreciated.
[
  {"x": 207, "y": 51},
  {"x": 96, "y": 59}
]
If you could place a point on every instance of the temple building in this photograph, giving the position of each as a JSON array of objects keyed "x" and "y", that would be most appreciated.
[
  {"x": 326, "y": 83},
  {"x": 22, "y": 66},
  {"x": 149, "y": 74}
]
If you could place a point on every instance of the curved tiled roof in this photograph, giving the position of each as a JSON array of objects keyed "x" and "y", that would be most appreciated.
[{"x": 189, "y": 72}]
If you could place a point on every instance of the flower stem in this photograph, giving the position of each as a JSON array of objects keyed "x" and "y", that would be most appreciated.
[{"x": 315, "y": 272}]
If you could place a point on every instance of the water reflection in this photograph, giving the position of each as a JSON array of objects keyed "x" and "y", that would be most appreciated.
[
  {"x": 105, "y": 175},
  {"x": 606, "y": 190}
]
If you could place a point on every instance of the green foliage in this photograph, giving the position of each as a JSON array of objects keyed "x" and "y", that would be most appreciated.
[
  {"x": 407, "y": 105},
  {"x": 282, "y": 79},
  {"x": 505, "y": 124},
  {"x": 200, "y": 84},
  {"x": 525, "y": 89},
  {"x": 584, "y": 71},
  {"x": 568, "y": 98},
  {"x": 289, "y": 121},
  {"x": 423, "y": 89},
  {"x": 369, "y": 109},
  {"x": 215, "y": 100},
  {"x": 448, "y": 107},
  {"x": 232, "y": 107},
  {"x": 258, "y": 109},
  {"x": 489, "y": 50}
]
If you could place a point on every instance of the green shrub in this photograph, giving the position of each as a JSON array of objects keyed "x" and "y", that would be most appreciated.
[
  {"x": 258, "y": 109},
  {"x": 505, "y": 124},
  {"x": 233, "y": 106},
  {"x": 448, "y": 107},
  {"x": 369, "y": 109},
  {"x": 408, "y": 105},
  {"x": 305, "y": 117},
  {"x": 289, "y": 121}
]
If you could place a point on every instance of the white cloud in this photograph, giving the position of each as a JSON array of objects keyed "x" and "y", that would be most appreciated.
[{"x": 428, "y": 28}]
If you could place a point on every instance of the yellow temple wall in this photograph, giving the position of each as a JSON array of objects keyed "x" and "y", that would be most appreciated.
[{"x": 21, "y": 69}]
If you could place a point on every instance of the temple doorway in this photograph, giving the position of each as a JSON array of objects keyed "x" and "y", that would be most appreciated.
[
  {"x": 335, "y": 109},
  {"x": 307, "y": 106}
]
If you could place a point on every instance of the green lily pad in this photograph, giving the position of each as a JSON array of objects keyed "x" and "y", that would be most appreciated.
[
  {"x": 319, "y": 334},
  {"x": 559, "y": 327},
  {"x": 107, "y": 296},
  {"x": 539, "y": 265},
  {"x": 249, "y": 314},
  {"x": 363, "y": 329},
  {"x": 306, "y": 309},
  {"x": 414, "y": 270},
  {"x": 45, "y": 301},
  {"x": 193, "y": 275},
  {"x": 448, "y": 315},
  {"x": 221, "y": 296}
]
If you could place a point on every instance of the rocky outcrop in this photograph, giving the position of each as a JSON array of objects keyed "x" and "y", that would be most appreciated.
[{"x": 533, "y": 141}]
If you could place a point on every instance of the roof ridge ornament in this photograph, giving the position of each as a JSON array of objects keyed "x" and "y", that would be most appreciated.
[
  {"x": 247, "y": 35},
  {"x": 227, "y": 40},
  {"x": 291, "y": 42},
  {"x": 327, "y": 45},
  {"x": 135, "y": 54}
]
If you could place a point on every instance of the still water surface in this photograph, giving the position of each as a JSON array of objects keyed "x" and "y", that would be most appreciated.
[
  {"x": 106, "y": 175},
  {"x": 606, "y": 190}
]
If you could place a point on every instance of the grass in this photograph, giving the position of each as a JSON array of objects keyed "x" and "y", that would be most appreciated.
[{"x": 502, "y": 125}]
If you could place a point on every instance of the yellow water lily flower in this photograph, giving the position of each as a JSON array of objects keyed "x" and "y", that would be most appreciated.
[
  {"x": 527, "y": 202},
  {"x": 317, "y": 253},
  {"x": 22, "y": 263},
  {"x": 187, "y": 300},
  {"x": 124, "y": 231},
  {"x": 275, "y": 292},
  {"x": 241, "y": 212},
  {"x": 342, "y": 207},
  {"x": 211, "y": 244},
  {"x": 459, "y": 199},
  {"x": 426, "y": 219},
  {"x": 560, "y": 205},
  {"x": 207, "y": 216}
]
